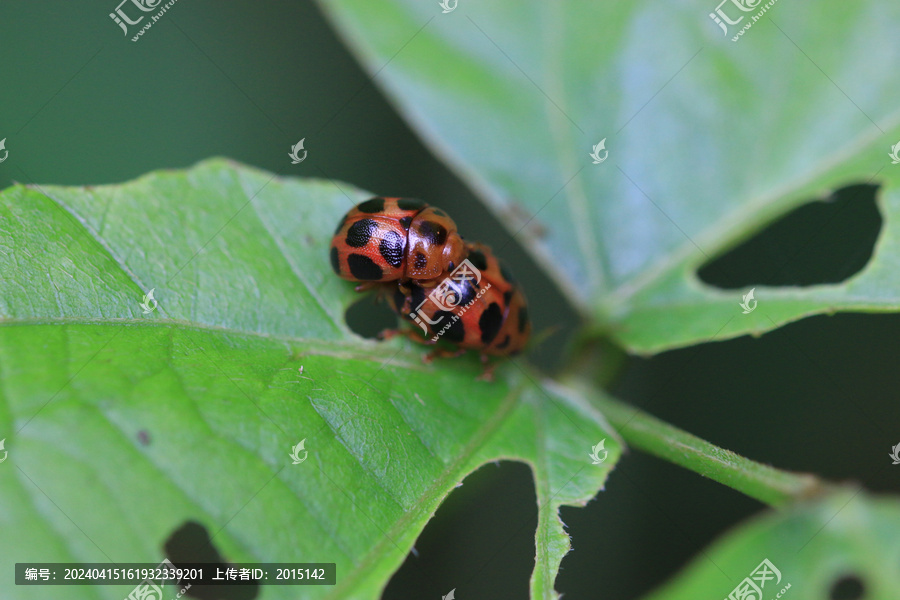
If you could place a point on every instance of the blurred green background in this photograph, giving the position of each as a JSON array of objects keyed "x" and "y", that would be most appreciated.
[{"x": 81, "y": 104}]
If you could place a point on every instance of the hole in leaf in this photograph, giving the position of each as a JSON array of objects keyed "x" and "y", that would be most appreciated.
[
  {"x": 190, "y": 543},
  {"x": 824, "y": 241},
  {"x": 480, "y": 541},
  {"x": 848, "y": 587},
  {"x": 370, "y": 315}
]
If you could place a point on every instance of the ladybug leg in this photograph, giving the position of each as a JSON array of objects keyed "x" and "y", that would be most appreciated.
[
  {"x": 412, "y": 334},
  {"x": 442, "y": 353},
  {"x": 488, "y": 373},
  {"x": 388, "y": 334},
  {"x": 381, "y": 294},
  {"x": 366, "y": 286}
]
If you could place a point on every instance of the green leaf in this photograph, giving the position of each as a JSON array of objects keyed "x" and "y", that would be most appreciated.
[
  {"x": 814, "y": 545},
  {"x": 709, "y": 140},
  {"x": 121, "y": 426}
]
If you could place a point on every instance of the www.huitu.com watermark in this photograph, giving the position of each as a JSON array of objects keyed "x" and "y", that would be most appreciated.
[{"x": 447, "y": 297}]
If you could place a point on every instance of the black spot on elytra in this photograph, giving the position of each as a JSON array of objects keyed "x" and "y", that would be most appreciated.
[
  {"x": 507, "y": 274},
  {"x": 420, "y": 260},
  {"x": 405, "y": 221},
  {"x": 391, "y": 248},
  {"x": 477, "y": 258},
  {"x": 848, "y": 587},
  {"x": 191, "y": 544},
  {"x": 433, "y": 232},
  {"x": 523, "y": 319},
  {"x": 410, "y": 204},
  {"x": 507, "y": 296},
  {"x": 361, "y": 232},
  {"x": 373, "y": 205},
  {"x": 456, "y": 333},
  {"x": 503, "y": 344},
  {"x": 489, "y": 323},
  {"x": 335, "y": 260},
  {"x": 364, "y": 268}
]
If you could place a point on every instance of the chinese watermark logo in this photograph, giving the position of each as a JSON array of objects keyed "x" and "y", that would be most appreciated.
[
  {"x": 447, "y": 295},
  {"x": 450, "y": 596},
  {"x": 895, "y": 453},
  {"x": 296, "y": 159},
  {"x": 149, "y": 304},
  {"x": 448, "y": 6},
  {"x": 595, "y": 154},
  {"x": 146, "y": 590},
  {"x": 723, "y": 20},
  {"x": 149, "y": 590},
  {"x": 121, "y": 19},
  {"x": 752, "y": 587},
  {"x": 5, "y": 151},
  {"x": 6, "y": 454},
  {"x": 749, "y": 304},
  {"x": 895, "y": 151},
  {"x": 595, "y": 453},
  {"x": 295, "y": 452}
]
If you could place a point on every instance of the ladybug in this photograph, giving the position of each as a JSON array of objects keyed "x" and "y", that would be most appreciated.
[
  {"x": 481, "y": 309},
  {"x": 395, "y": 239}
]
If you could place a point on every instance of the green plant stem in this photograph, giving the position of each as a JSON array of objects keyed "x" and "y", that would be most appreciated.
[{"x": 767, "y": 484}]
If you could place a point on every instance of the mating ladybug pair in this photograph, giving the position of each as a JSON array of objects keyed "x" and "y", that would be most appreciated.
[{"x": 451, "y": 290}]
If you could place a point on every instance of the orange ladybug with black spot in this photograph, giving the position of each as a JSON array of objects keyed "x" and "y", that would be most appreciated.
[
  {"x": 479, "y": 308},
  {"x": 396, "y": 239}
]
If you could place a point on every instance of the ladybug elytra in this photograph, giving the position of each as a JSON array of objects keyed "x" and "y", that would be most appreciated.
[{"x": 395, "y": 239}]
